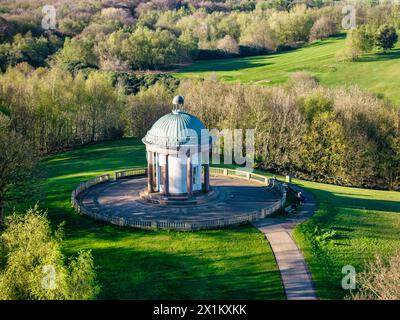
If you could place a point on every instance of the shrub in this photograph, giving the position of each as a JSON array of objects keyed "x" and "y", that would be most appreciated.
[
  {"x": 347, "y": 54},
  {"x": 32, "y": 266},
  {"x": 386, "y": 37},
  {"x": 362, "y": 39},
  {"x": 323, "y": 28},
  {"x": 302, "y": 82},
  {"x": 380, "y": 280},
  {"x": 358, "y": 41}
]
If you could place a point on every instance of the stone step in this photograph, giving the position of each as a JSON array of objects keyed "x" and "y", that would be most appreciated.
[{"x": 178, "y": 203}]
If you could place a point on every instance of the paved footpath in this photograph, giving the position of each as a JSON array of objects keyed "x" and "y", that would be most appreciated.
[{"x": 295, "y": 275}]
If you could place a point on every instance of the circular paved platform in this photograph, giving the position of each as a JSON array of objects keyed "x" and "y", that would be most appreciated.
[{"x": 233, "y": 197}]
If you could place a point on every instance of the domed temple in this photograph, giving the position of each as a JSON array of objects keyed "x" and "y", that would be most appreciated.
[
  {"x": 173, "y": 191},
  {"x": 178, "y": 146}
]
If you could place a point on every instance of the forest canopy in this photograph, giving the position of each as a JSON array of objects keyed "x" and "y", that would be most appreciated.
[{"x": 141, "y": 35}]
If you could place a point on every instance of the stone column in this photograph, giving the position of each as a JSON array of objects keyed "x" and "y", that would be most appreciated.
[
  {"x": 150, "y": 175},
  {"x": 189, "y": 177},
  {"x": 166, "y": 176},
  {"x": 206, "y": 177}
]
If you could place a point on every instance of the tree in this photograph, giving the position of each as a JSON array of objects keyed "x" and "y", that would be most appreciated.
[
  {"x": 144, "y": 108},
  {"x": 228, "y": 44},
  {"x": 386, "y": 37},
  {"x": 150, "y": 49},
  {"x": 323, "y": 149},
  {"x": 362, "y": 39},
  {"x": 17, "y": 160},
  {"x": 358, "y": 41},
  {"x": 32, "y": 266},
  {"x": 323, "y": 28},
  {"x": 5, "y": 30},
  {"x": 313, "y": 105},
  {"x": 77, "y": 50},
  {"x": 292, "y": 26},
  {"x": 110, "y": 52},
  {"x": 34, "y": 50},
  {"x": 258, "y": 34}
]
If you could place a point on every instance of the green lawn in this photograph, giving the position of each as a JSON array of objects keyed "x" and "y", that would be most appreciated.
[
  {"x": 375, "y": 72},
  {"x": 231, "y": 263},
  {"x": 367, "y": 222}
]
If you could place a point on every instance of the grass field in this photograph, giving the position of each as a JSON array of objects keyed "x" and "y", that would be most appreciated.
[
  {"x": 229, "y": 263},
  {"x": 377, "y": 72},
  {"x": 366, "y": 223},
  {"x": 232, "y": 263}
]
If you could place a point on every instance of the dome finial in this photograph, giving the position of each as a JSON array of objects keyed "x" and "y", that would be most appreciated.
[{"x": 178, "y": 103}]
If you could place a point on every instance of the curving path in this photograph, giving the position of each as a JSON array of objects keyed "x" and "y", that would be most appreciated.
[{"x": 296, "y": 278}]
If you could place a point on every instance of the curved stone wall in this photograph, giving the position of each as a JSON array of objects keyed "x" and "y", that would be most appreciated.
[{"x": 273, "y": 185}]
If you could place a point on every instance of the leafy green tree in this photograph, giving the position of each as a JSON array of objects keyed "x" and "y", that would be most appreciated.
[
  {"x": 189, "y": 44},
  {"x": 32, "y": 266},
  {"x": 7, "y": 56},
  {"x": 323, "y": 149},
  {"x": 101, "y": 105},
  {"x": 386, "y": 37},
  {"x": 358, "y": 41},
  {"x": 313, "y": 105},
  {"x": 17, "y": 160},
  {"x": 150, "y": 49},
  {"x": 258, "y": 34},
  {"x": 363, "y": 38},
  {"x": 111, "y": 54},
  {"x": 77, "y": 51},
  {"x": 27, "y": 48},
  {"x": 292, "y": 26}
]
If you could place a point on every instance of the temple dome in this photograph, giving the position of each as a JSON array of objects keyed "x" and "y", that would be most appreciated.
[{"x": 176, "y": 129}]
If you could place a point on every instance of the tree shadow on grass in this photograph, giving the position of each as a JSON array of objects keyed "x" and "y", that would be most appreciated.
[
  {"x": 152, "y": 264},
  {"x": 349, "y": 215},
  {"x": 391, "y": 55},
  {"x": 159, "y": 272},
  {"x": 135, "y": 274},
  {"x": 99, "y": 157},
  {"x": 344, "y": 200},
  {"x": 228, "y": 64}
]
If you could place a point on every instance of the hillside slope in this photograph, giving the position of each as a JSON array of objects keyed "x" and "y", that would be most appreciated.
[{"x": 376, "y": 72}]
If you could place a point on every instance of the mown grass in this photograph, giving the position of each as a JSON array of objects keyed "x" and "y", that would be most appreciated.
[
  {"x": 233, "y": 263},
  {"x": 365, "y": 222},
  {"x": 376, "y": 72},
  {"x": 229, "y": 263}
]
